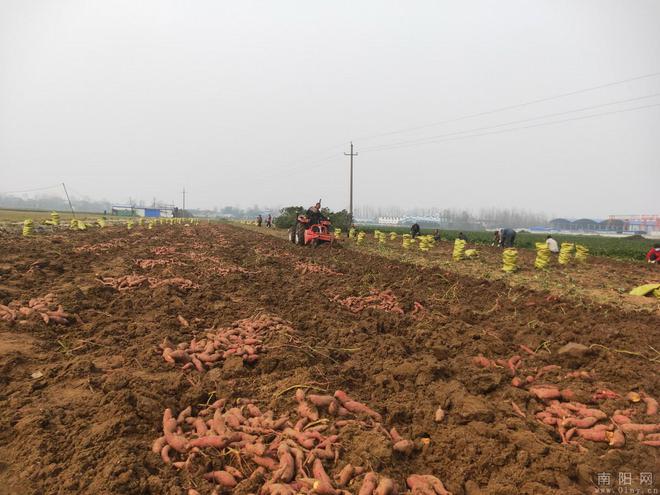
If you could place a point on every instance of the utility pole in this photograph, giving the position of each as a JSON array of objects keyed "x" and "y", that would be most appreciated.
[
  {"x": 350, "y": 204},
  {"x": 184, "y": 201},
  {"x": 67, "y": 198}
]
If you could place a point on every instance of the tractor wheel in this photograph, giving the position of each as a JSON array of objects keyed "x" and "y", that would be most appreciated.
[
  {"x": 300, "y": 234},
  {"x": 315, "y": 243},
  {"x": 292, "y": 234}
]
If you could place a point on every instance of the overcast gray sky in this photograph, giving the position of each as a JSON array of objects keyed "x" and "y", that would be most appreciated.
[{"x": 248, "y": 102}]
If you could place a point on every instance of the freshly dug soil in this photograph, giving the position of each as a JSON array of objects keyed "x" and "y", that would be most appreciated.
[{"x": 82, "y": 403}]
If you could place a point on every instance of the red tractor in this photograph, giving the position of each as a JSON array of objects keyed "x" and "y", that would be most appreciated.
[{"x": 305, "y": 232}]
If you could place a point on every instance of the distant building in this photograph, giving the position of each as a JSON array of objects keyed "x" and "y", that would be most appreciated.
[
  {"x": 620, "y": 224},
  {"x": 638, "y": 223},
  {"x": 139, "y": 211}
]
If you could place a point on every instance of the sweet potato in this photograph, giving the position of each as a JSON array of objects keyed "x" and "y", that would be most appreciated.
[
  {"x": 234, "y": 472},
  {"x": 299, "y": 437},
  {"x": 165, "y": 454},
  {"x": 214, "y": 441},
  {"x": 593, "y": 434},
  {"x": 635, "y": 427},
  {"x": 511, "y": 364},
  {"x": 369, "y": 484},
  {"x": 621, "y": 419},
  {"x": 516, "y": 382},
  {"x": 482, "y": 361},
  {"x": 266, "y": 462},
  {"x": 356, "y": 407},
  {"x": 587, "y": 422},
  {"x": 545, "y": 392},
  {"x": 344, "y": 476},
  {"x": 286, "y": 469},
  {"x": 277, "y": 489},
  {"x": 323, "y": 484},
  {"x": 517, "y": 410},
  {"x": 424, "y": 484},
  {"x": 605, "y": 394},
  {"x": 158, "y": 445},
  {"x": 651, "y": 405},
  {"x": 404, "y": 447},
  {"x": 307, "y": 410},
  {"x": 385, "y": 486},
  {"x": 651, "y": 443},
  {"x": 439, "y": 415},
  {"x": 222, "y": 478},
  {"x": 617, "y": 439},
  {"x": 192, "y": 491},
  {"x": 527, "y": 350},
  {"x": 320, "y": 400}
]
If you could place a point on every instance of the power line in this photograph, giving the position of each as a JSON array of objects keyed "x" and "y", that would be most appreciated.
[
  {"x": 31, "y": 190},
  {"x": 524, "y": 127},
  {"x": 511, "y": 107},
  {"x": 512, "y": 122}
]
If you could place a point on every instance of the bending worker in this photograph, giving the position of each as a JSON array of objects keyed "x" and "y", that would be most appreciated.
[
  {"x": 653, "y": 256},
  {"x": 552, "y": 244},
  {"x": 505, "y": 237}
]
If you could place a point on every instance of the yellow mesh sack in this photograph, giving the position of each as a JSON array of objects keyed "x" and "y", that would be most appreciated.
[
  {"x": 510, "y": 260},
  {"x": 565, "y": 252},
  {"x": 581, "y": 253},
  {"x": 459, "y": 250},
  {"x": 543, "y": 256}
]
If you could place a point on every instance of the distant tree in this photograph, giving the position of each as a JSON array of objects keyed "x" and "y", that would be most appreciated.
[{"x": 287, "y": 216}]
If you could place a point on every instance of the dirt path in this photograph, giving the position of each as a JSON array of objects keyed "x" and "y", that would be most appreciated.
[{"x": 86, "y": 423}]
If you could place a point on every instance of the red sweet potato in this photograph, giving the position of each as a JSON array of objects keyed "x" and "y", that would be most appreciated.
[
  {"x": 369, "y": 484},
  {"x": 635, "y": 427},
  {"x": 222, "y": 478},
  {"x": 287, "y": 467},
  {"x": 424, "y": 484},
  {"x": 385, "y": 487},
  {"x": 651, "y": 405},
  {"x": 651, "y": 443},
  {"x": 617, "y": 439},
  {"x": 320, "y": 400},
  {"x": 404, "y": 447},
  {"x": 344, "y": 476},
  {"x": 593, "y": 434},
  {"x": 323, "y": 484},
  {"x": 214, "y": 441},
  {"x": 545, "y": 392}
]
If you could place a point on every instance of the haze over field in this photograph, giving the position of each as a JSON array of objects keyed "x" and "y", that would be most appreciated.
[{"x": 255, "y": 102}]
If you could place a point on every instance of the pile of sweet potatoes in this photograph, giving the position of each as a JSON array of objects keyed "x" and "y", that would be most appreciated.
[
  {"x": 244, "y": 338},
  {"x": 244, "y": 448},
  {"x": 304, "y": 268},
  {"x": 39, "y": 307},
  {"x": 133, "y": 281},
  {"x": 385, "y": 301},
  {"x": 100, "y": 247},
  {"x": 572, "y": 419},
  {"x": 147, "y": 264}
]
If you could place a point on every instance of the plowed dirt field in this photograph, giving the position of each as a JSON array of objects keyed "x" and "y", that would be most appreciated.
[{"x": 82, "y": 403}]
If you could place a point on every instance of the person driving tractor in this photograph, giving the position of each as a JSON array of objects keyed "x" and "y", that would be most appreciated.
[{"x": 314, "y": 214}]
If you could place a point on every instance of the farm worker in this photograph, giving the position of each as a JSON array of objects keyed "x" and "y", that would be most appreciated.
[
  {"x": 414, "y": 230},
  {"x": 259, "y": 220},
  {"x": 462, "y": 237},
  {"x": 496, "y": 237},
  {"x": 552, "y": 244},
  {"x": 436, "y": 235},
  {"x": 314, "y": 214},
  {"x": 507, "y": 237},
  {"x": 269, "y": 221},
  {"x": 653, "y": 256}
]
